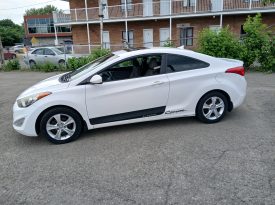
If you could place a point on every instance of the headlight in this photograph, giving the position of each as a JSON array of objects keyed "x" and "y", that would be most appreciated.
[{"x": 29, "y": 100}]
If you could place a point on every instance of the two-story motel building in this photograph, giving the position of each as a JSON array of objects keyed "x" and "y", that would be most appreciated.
[{"x": 152, "y": 22}]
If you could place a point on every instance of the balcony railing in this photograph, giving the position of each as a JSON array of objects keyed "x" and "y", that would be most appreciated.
[{"x": 162, "y": 8}]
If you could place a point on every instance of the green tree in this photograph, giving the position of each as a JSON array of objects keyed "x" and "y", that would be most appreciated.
[
  {"x": 41, "y": 11},
  {"x": 220, "y": 44},
  {"x": 268, "y": 1},
  {"x": 10, "y": 32},
  {"x": 258, "y": 43}
]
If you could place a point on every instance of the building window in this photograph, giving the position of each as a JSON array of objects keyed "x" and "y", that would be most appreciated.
[
  {"x": 215, "y": 28},
  {"x": 44, "y": 26},
  {"x": 189, "y": 3},
  {"x": 186, "y": 36},
  {"x": 130, "y": 37},
  {"x": 129, "y": 4},
  {"x": 242, "y": 32}
]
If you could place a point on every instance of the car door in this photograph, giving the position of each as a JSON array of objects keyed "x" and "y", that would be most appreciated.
[
  {"x": 37, "y": 56},
  {"x": 50, "y": 56},
  {"x": 188, "y": 77},
  {"x": 130, "y": 94}
]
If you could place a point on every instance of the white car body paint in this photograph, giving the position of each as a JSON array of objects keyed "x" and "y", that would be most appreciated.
[{"x": 178, "y": 92}]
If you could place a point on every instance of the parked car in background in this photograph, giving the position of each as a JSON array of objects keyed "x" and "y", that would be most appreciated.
[
  {"x": 128, "y": 87},
  {"x": 17, "y": 49},
  {"x": 46, "y": 54},
  {"x": 8, "y": 55}
]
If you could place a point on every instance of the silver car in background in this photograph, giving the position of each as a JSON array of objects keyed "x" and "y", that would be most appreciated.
[{"x": 46, "y": 55}]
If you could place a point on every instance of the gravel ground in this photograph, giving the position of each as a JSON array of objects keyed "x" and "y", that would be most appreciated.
[{"x": 178, "y": 161}]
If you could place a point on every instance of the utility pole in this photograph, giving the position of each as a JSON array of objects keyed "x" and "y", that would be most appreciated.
[
  {"x": 101, "y": 16},
  {"x": 1, "y": 53}
]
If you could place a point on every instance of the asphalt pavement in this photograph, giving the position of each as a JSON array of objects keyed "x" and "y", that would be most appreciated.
[{"x": 178, "y": 161}]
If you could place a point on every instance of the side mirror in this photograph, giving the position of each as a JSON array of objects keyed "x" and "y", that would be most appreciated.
[{"x": 96, "y": 79}]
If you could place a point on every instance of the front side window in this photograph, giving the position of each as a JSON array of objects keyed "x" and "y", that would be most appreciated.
[
  {"x": 178, "y": 63},
  {"x": 38, "y": 52},
  {"x": 142, "y": 66},
  {"x": 89, "y": 67}
]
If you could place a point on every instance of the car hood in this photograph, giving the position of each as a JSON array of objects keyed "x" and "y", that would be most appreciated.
[{"x": 48, "y": 85}]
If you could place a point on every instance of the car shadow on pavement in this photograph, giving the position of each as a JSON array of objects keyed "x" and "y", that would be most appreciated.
[{"x": 145, "y": 126}]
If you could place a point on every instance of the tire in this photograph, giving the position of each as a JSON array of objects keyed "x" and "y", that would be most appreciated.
[
  {"x": 13, "y": 56},
  {"x": 61, "y": 63},
  {"x": 212, "y": 107},
  {"x": 32, "y": 63},
  {"x": 53, "y": 125}
]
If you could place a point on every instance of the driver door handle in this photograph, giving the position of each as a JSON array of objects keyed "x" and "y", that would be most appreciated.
[{"x": 157, "y": 83}]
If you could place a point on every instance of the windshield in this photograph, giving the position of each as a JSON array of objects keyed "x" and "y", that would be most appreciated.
[{"x": 90, "y": 66}]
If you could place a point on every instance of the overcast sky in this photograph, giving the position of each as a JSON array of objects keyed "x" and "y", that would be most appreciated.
[{"x": 15, "y": 9}]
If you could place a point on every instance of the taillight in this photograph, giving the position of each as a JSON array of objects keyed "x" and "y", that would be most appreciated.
[{"x": 237, "y": 70}]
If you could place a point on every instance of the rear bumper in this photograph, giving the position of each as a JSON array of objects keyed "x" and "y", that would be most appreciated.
[{"x": 235, "y": 86}]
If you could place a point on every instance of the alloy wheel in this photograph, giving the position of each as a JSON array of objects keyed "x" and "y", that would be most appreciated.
[
  {"x": 213, "y": 108},
  {"x": 60, "y": 126}
]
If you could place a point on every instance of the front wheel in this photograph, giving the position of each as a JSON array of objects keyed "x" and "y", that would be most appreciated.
[
  {"x": 212, "y": 107},
  {"x": 61, "y": 125}
]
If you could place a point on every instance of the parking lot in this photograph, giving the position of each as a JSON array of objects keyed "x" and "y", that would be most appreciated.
[{"x": 178, "y": 161}]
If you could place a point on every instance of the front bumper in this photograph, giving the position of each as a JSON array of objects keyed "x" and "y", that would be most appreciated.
[{"x": 24, "y": 120}]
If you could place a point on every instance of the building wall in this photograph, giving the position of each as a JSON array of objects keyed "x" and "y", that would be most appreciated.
[
  {"x": 49, "y": 41},
  {"x": 115, "y": 29}
]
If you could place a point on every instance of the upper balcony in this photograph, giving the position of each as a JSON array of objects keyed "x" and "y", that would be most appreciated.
[{"x": 161, "y": 9}]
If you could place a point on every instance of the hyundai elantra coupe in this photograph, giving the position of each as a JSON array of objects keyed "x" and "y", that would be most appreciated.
[{"x": 128, "y": 87}]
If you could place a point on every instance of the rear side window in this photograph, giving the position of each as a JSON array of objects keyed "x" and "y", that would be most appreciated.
[{"x": 178, "y": 63}]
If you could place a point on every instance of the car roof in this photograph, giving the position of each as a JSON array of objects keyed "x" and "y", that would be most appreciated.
[
  {"x": 43, "y": 47},
  {"x": 129, "y": 53}
]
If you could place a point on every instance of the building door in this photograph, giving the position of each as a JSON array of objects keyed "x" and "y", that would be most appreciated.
[
  {"x": 164, "y": 7},
  {"x": 105, "y": 9},
  {"x": 217, "y": 5},
  {"x": 106, "y": 39},
  {"x": 164, "y": 35},
  {"x": 148, "y": 37},
  {"x": 147, "y": 8}
]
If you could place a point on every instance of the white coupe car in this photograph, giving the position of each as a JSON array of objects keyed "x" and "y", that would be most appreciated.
[{"x": 129, "y": 87}]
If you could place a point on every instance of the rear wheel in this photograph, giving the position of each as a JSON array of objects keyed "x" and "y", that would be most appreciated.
[
  {"x": 61, "y": 125},
  {"x": 32, "y": 64},
  {"x": 212, "y": 107}
]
